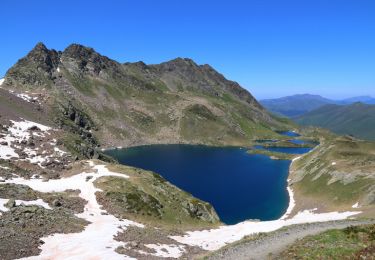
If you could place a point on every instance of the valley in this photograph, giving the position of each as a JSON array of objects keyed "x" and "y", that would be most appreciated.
[{"x": 63, "y": 193}]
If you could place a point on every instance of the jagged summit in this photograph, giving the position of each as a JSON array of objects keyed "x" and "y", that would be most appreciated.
[{"x": 36, "y": 69}]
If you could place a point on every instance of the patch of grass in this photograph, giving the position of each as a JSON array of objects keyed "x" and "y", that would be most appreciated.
[
  {"x": 273, "y": 155},
  {"x": 334, "y": 244},
  {"x": 147, "y": 197},
  {"x": 336, "y": 193}
]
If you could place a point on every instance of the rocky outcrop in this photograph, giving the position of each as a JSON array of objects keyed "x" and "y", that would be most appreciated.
[
  {"x": 37, "y": 69},
  {"x": 201, "y": 210}
]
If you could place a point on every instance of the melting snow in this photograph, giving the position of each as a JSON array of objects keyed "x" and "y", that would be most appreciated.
[
  {"x": 18, "y": 132},
  {"x": 96, "y": 241},
  {"x": 215, "y": 238},
  {"x": 163, "y": 250},
  {"x": 292, "y": 203},
  {"x": 26, "y": 97},
  {"x": 38, "y": 202}
]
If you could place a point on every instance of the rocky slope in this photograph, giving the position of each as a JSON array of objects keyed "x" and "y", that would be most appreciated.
[
  {"x": 336, "y": 175},
  {"x": 133, "y": 103}
]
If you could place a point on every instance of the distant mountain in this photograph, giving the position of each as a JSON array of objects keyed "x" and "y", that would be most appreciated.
[
  {"x": 297, "y": 105},
  {"x": 357, "y": 119},
  {"x": 363, "y": 99}
]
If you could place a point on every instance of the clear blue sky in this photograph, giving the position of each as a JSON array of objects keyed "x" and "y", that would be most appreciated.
[{"x": 272, "y": 48}]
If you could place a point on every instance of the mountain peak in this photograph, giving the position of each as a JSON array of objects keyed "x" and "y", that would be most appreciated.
[
  {"x": 78, "y": 51},
  {"x": 182, "y": 62},
  {"x": 39, "y": 47},
  {"x": 36, "y": 69}
]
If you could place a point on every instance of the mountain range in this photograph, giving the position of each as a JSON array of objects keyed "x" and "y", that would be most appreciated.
[
  {"x": 356, "y": 119},
  {"x": 297, "y": 105},
  {"x": 131, "y": 104},
  {"x": 59, "y": 191}
]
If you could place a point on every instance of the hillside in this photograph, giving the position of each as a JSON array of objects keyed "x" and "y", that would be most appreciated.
[
  {"x": 296, "y": 105},
  {"x": 133, "y": 103},
  {"x": 357, "y": 119},
  {"x": 337, "y": 175}
]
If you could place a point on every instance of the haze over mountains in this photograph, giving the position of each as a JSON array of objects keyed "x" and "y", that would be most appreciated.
[
  {"x": 297, "y": 105},
  {"x": 352, "y": 116}
]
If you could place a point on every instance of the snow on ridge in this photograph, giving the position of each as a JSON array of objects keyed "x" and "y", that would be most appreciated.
[
  {"x": 2, "y": 81},
  {"x": 17, "y": 132}
]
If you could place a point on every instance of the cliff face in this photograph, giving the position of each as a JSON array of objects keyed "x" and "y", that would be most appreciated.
[{"x": 133, "y": 103}]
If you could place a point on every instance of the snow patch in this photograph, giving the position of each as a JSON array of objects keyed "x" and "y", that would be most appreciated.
[
  {"x": 356, "y": 206},
  {"x": 21, "y": 132},
  {"x": 295, "y": 159},
  {"x": 333, "y": 163},
  {"x": 163, "y": 250},
  {"x": 38, "y": 202},
  {"x": 2, "y": 81},
  {"x": 7, "y": 152},
  {"x": 292, "y": 203},
  {"x": 59, "y": 151},
  {"x": 2, "y": 207},
  {"x": 26, "y": 97},
  {"x": 216, "y": 238},
  {"x": 97, "y": 240}
]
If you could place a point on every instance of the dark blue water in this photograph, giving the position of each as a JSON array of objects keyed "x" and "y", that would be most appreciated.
[
  {"x": 289, "y": 133},
  {"x": 289, "y": 150},
  {"x": 240, "y": 186}
]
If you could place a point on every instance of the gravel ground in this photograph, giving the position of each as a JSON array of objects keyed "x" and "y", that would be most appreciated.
[{"x": 272, "y": 244}]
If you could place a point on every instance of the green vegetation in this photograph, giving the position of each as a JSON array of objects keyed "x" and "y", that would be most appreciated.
[
  {"x": 355, "y": 242},
  {"x": 356, "y": 119},
  {"x": 336, "y": 193},
  {"x": 273, "y": 155},
  {"x": 336, "y": 174},
  {"x": 147, "y": 197}
]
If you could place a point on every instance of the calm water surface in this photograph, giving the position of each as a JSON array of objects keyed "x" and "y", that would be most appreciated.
[{"x": 240, "y": 186}]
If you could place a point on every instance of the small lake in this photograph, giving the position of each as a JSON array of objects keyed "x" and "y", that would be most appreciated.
[
  {"x": 289, "y": 133},
  {"x": 240, "y": 186}
]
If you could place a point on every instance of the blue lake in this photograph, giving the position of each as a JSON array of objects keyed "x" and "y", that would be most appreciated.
[
  {"x": 240, "y": 186},
  {"x": 289, "y": 133},
  {"x": 290, "y": 150}
]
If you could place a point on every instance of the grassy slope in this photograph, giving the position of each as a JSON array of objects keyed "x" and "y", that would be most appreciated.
[
  {"x": 336, "y": 175},
  {"x": 148, "y": 198},
  {"x": 356, "y": 119},
  {"x": 349, "y": 243}
]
